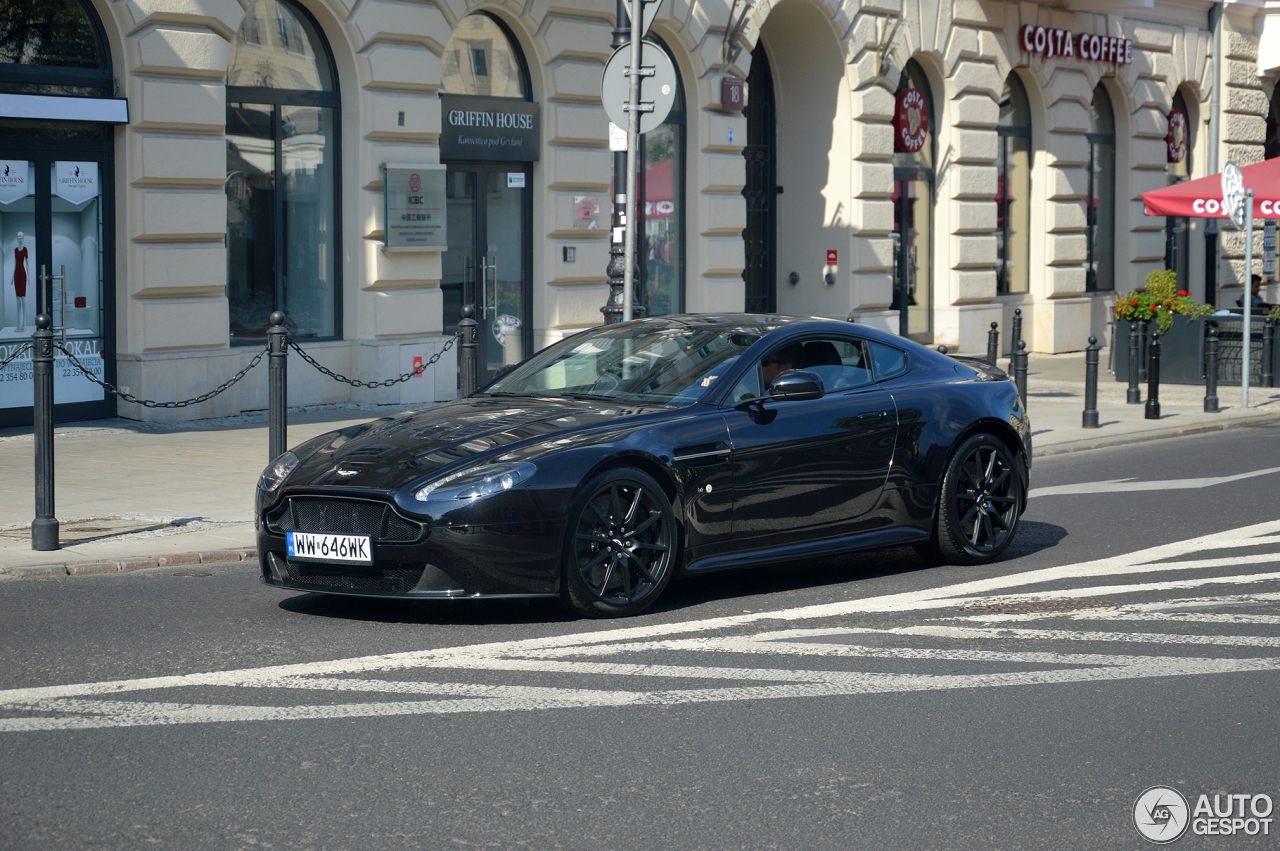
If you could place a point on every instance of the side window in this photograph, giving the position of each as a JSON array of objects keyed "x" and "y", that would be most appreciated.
[
  {"x": 840, "y": 363},
  {"x": 887, "y": 360},
  {"x": 748, "y": 387}
]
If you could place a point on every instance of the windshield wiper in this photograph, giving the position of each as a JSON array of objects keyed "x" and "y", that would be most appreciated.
[
  {"x": 515, "y": 395},
  {"x": 590, "y": 397}
]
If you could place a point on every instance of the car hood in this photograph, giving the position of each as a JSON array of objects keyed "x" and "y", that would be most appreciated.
[{"x": 387, "y": 454}]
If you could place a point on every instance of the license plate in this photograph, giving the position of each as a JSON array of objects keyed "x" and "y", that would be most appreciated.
[{"x": 313, "y": 546}]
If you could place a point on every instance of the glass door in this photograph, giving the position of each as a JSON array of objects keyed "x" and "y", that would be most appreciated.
[
  {"x": 53, "y": 234},
  {"x": 488, "y": 263},
  {"x": 913, "y": 259}
]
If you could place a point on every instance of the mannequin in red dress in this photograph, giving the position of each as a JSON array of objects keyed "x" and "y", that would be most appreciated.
[{"x": 19, "y": 281}]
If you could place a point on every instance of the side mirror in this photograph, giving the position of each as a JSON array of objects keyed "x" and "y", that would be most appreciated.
[{"x": 796, "y": 385}]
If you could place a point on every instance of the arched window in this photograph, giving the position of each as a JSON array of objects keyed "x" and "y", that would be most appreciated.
[
  {"x": 661, "y": 211},
  {"x": 1100, "y": 203},
  {"x": 282, "y": 177},
  {"x": 52, "y": 47},
  {"x": 1177, "y": 229},
  {"x": 481, "y": 59},
  {"x": 913, "y": 189},
  {"x": 1013, "y": 190}
]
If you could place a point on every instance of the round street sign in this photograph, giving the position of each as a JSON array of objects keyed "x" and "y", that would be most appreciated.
[
  {"x": 1233, "y": 193},
  {"x": 660, "y": 89}
]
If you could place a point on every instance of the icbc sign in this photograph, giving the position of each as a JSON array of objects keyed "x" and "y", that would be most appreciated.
[
  {"x": 1100, "y": 48},
  {"x": 1176, "y": 138},
  {"x": 910, "y": 121}
]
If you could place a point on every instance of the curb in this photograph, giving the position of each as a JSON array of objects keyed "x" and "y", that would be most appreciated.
[
  {"x": 1154, "y": 434},
  {"x": 127, "y": 565}
]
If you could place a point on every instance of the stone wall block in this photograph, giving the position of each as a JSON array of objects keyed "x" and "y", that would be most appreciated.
[
  {"x": 1251, "y": 128},
  {"x": 1238, "y": 45},
  {"x": 576, "y": 78},
  {"x": 872, "y": 104},
  {"x": 177, "y": 214},
  {"x": 1068, "y": 150},
  {"x": 971, "y": 181},
  {"x": 1151, "y": 93},
  {"x": 1068, "y": 183},
  {"x": 578, "y": 123},
  {"x": 177, "y": 269},
  {"x": 871, "y": 141},
  {"x": 1150, "y": 36},
  {"x": 180, "y": 105},
  {"x": 377, "y": 20},
  {"x": 1065, "y": 217},
  {"x": 180, "y": 324},
  {"x": 975, "y": 110},
  {"x": 580, "y": 37},
  {"x": 1244, "y": 154},
  {"x": 403, "y": 66},
  {"x": 1065, "y": 281},
  {"x": 977, "y": 13},
  {"x": 973, "y": 251},
  {"x": 1251, "y": 101},
  {"x": 973, "y": 285},
  {"x": 872, "y": 291},
  {"x": 219, "y": 15},
  {"x": 1070, "y": 84},
  {"x": 974, "y": 216},
  {"x": 1066, "y": 248},
  {"x": 872, "y": 254},
  {"x": 1150, "y": 123},
  {"x": 725, "y": 170},
  {"x": 1068, "y": 115},
  {"x": 871, "y": 180},
  {"x": 179, "y": 51},
  {"x": 176, "y": 159},
  {"x": 962, "y": 45},
  {"x": 975, "y": 146},
  {"x": 970, "y": 76},
  {"x": 421, "y": 113},
  {"x": 874, "y": 217}
]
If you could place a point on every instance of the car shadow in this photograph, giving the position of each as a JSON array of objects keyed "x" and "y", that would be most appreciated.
[{"x": 687, "y": 591}]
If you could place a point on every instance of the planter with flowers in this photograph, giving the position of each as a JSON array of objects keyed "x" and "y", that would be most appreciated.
[{"x": 1162, "y": 307}]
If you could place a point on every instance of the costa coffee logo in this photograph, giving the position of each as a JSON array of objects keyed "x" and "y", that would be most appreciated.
[
  {"x": 1176, "y": 138},
  {"x": 1212, "y": 206},
  {"x": 910, "y": 121},
  {"x": 1049, "y": 43}
]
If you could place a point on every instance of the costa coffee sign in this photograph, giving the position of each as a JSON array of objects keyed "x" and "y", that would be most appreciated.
[
  {"x": 1049, "y": 43},
  {"x": 910, "y": 121},
  {"x": 1176, "y": 138}
]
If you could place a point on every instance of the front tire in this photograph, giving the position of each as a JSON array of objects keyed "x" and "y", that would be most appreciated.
[
  {"x": 621, "y": 545},
  {"x": 980, "y": 504}
]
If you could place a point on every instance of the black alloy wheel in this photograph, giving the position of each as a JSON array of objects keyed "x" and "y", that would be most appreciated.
[
  {"x": 980, "y": 504},
  {"x": 620, "y": 547}
]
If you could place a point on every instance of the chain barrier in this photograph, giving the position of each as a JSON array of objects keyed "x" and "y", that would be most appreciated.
[
  {"x": 418, "y": 370},
  {"x": 147, "y": 403},
  {"x": 26, "y": 347}
]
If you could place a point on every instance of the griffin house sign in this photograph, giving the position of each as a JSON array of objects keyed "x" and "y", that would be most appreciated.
[{"x": 484, "y": 128}]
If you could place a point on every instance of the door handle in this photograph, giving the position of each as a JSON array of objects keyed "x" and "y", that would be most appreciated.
[
  {"x": 491, "y": 295},
  {"x": 872, "y": 415}
]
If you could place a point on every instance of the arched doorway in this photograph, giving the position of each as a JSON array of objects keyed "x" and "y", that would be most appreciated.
[
  {"x": 489, "y": 143},
  {"x": 914, "y": 158},
  {"x": 761, "y": 190},
  {"x": 57, "y": 233}
]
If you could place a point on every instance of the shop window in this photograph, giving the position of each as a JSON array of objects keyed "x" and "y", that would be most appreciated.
[
  {"x": 1177, "y": 229},
  {"x": 282, "y": 179},
  {"x": 1013, "y": 190},
  {"x": 661, "y": 213},
  {"x": 1100, "y": 202},
  {"x": 482, "y": 59},
  {"x": 52, "y": 47}
]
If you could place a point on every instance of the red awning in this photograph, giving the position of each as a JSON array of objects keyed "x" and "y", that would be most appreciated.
[{"x": 1202, "y": 198}]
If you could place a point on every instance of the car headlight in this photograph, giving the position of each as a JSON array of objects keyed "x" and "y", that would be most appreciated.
[
  {"x": 476, "y": 482},
  {"x": 277, "y": 471}
]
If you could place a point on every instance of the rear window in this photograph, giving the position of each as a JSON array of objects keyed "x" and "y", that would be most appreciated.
[{"x": 887, "y": 360}]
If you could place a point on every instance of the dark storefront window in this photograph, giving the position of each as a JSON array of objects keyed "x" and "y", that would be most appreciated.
[
  {"x": 661, "y": 189},
  {"x": 1100, "y": 203},
  {"x": 282, "y": 180},
  {"x": 1013, "y": 190},
  {"x": 1177, "y": 229}
]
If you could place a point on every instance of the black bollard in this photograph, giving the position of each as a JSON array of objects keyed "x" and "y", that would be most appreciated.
[
  {"x": 468, "y": 375},
  {"x": 1211, "y": 368},
  {"x": 44, "y": 528},
  {"x": 942, "y": 350},
  {"x": 1153, "y": 379},
  {"x": 1016, "y": 336},
  {"x": 277, "y": 386},
  {"x": 1020, "y": 372},
  {"x": 993, "y": 343},
  {"x": 1134, "y": 396},
  {"x": 1143, "y": 350},
  {"x": 1268, "y": 352},
  {"x": 1090, "y": 418}
]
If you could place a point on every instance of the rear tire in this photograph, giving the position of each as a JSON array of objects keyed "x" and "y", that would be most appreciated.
[
  {"x": 621, "y": 545},
  {"x": 980, "y": 503}
]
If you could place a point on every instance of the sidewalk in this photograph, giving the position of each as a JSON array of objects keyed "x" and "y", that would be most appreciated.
[{"x": 134, "y": 495}]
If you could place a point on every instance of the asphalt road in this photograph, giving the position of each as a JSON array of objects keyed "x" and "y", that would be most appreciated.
[{"x": 872, "y": 701}]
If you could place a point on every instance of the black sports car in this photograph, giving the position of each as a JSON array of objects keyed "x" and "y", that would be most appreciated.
[{"x": 609, "y": 461}]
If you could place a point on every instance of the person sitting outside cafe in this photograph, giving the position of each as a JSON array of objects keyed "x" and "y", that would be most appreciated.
[{"x": 1256, "y": 301}]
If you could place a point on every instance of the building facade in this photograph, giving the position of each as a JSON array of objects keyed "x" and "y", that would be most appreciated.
[{"x": 925, "y": 166}]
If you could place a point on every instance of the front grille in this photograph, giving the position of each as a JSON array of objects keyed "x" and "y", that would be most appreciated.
[
  {"x": 344, "y": 517},
  {"x": 393, "y": 580}
]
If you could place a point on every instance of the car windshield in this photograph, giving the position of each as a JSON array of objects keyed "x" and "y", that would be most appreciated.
[{"x": 636, "y": 362}]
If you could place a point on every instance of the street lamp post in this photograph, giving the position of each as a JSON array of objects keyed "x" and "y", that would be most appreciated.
[{"x": 617, "y": 268}]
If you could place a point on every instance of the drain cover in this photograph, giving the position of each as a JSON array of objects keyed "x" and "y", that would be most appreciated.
[{"x": 1028, "y": 607}]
